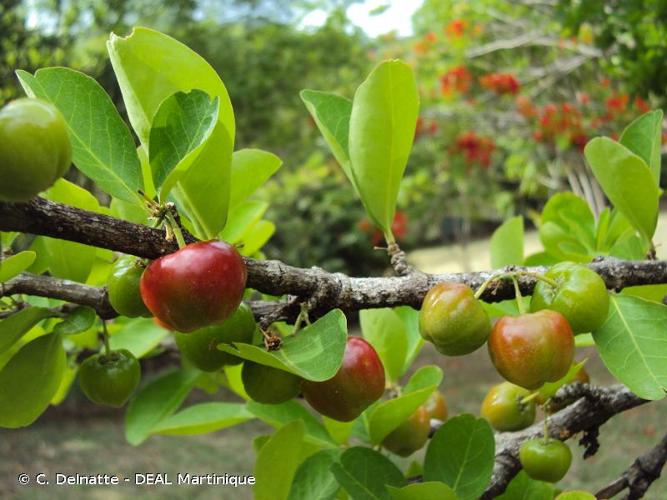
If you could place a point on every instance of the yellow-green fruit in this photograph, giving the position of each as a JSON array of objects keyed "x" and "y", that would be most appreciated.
[
  {"x": 268, "y": 385},
  {"x": 123, "y": 288},
  {"x": 503, "y": 409},
  {"x": 201, "y": 346},
  {"x": 437, "y": 406},
  {"x": 35, "y": 149},
  {"x": 411, "y": 435},
  {"x": 453, "y": 319}
]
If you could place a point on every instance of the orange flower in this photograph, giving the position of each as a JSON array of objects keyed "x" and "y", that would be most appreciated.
[
  {"x": 642, "y": 105},
  {"x": 456, "y": 28},
  {"x": 456, "y": 79},
  {"x": 500, "y": 83}
]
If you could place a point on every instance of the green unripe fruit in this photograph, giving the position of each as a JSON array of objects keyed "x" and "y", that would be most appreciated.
[
  {"x": 545, "y": 460},
  {"x": 411, "y": 435},
  {"x": 580, "y": 295},
  {"x": 110, "y": 379},
  {"x": 453, "y": 320},
  {"x": 268, "y": 385},
  {"x": 503, "y": 409},
  {"x": 35, "y": 150},
  {"x": 123, "y": 288},
  {"x": 201, "y": 346}
]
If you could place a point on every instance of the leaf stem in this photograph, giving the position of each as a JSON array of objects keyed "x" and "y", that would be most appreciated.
[
  {"x": 519, "y": 298},
  {"x": 105, "y": 338},
  {"x": 175, "y": 228}
]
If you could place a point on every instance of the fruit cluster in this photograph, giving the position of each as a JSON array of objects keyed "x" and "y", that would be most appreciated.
[
  {"x": 532, "y": 351},
  {"x": 456, "y": 80}
]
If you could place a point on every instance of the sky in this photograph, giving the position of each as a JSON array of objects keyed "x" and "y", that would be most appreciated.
[{"x": 398, "y": 17}]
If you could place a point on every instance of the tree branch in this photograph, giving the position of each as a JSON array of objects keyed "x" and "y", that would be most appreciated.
[
  {"x": 324, "y": 290},
  {"x": 640, "y": 475},
  {"x": 595, "y": 405}
]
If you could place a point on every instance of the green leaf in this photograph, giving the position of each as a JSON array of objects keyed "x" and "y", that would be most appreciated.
[
  {"x": 627, "y": 181},
  {"x": 277, "y": 462},
  {"x": 29, "y": 381},
  {"x": 150, "y": 66},
  {"x": 523, "y": 487},
  {"x": 649, "y": 292},
  {"x": 77, "y": 321},
  {"x": 340, "y": 432},
  {"x": 182, "y": 123},
  {"x": 18, "y": 324},
  {"x": 410, "y": 318},
  {"x": 507, "y": 243},
  {"x": 139, "y": 336},
  {"x": 202, "y": 418},
  {"x": 65, "y": 385},
  {"x": 314, "y": 353},
  {"x": 314, "y": 480},
  {"x": 643, "y": 137},
  {"x": 365, "y": 474},
  {"x": 567, "y": 228},
  {"x": 549, "y": 389},
  {"x": 461, "y": 454},
  {"x": 66, "y": 259},
  {"x": 387, "y": 415},
  {"x": 155, "y": 402},
  {"x": 430, "y": 490},
  {"x": 385, "y": 331},
  {"x": 15, "y": 264},
  {"x": 250, "y": 169},
  {"x": 203, "y": 190},
  {"x": 281, "y": 414},
  {"x": 257, "y": 236},
  {"x": 633, "y": 344},
  {"x": 102, "y": 146},
  {"x": 332, "y": 113},
  {"x": 584, "y": 340},
  {"x": 242, "y": 218},
  {"x": 382, "y": 130}
]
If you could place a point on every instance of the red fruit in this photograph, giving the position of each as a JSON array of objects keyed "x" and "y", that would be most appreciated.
[
  {"x": 532, "y": 349},
  {"x": 199, "y": 285},
  {"x": 358, "y": 383}
]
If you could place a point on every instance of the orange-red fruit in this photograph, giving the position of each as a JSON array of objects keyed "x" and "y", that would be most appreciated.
[
  {"x": 358, "y": 383},
  {"x": 532, "y": 349},
  {"x": 199, "y": 285},
  {"x": 436, "y": 406}
]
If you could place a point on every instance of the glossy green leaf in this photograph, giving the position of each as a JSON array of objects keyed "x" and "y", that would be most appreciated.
[
  {"x": 242, "y": 218},
  {"x": 523, "y": 487},
  {"x": 567, "y": 228},
  {"x": 410, "y": 318},
  {"x": 155, "y": 402},
  {"x": 277, "y": 462},
  {"x": 430, "y": 490},
  {"x": 250, "y": 169},
  {"x": 627, "y": 181},
  {"x": 15, "y": 264},
  {"x": 102, "y": 146},
  {"x": 382, "y": 130},
  {"x": 385, "y": 331},
  {"x": 332, "y": 113},
  {"x": 66, "y": 259},
  {"x": 649, "y": 292},
  {"x": 384, "y": 417},
  {"x": 281, "y": 414},
  {"x": 29, "y": 381},
  {"x": 202, "y": 418},
  {"x": 584, "y": 340},
  {"x": 203, "y": 190},
  {"x": 233, "y": 380},
  {"x": 139, "y": 336},
  {"x": 507, "y": 243},
  {"x": 365, "y": 474},
  {"x": 340, "y": 432},
  {"x": 643, "y": 137},
  {"x": 69, "y": 375},
  {"x": 182, "y": 123},
  {"x": 314, "y": 480},
  {"x": 150, "y": 66},
  {"x": 18, "y": 324},
  {"x": 461, "y": 454},
  {"x": 257, "y": 236},
  {"x": 576, "y": 495},
  {"x": 77, "y": 321},
  {"x": 633, "y": 344},
  {"x": 314, "y": 353}
]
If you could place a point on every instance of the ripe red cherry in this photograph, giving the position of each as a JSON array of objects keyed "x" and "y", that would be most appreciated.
[
  {"x": 358, "y": 383},
  {"x": 531, "y": 349},
  {"x": 199, "y": 285}
]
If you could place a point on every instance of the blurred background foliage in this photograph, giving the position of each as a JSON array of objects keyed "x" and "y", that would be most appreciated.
[{"x": 511, "y": 91}]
